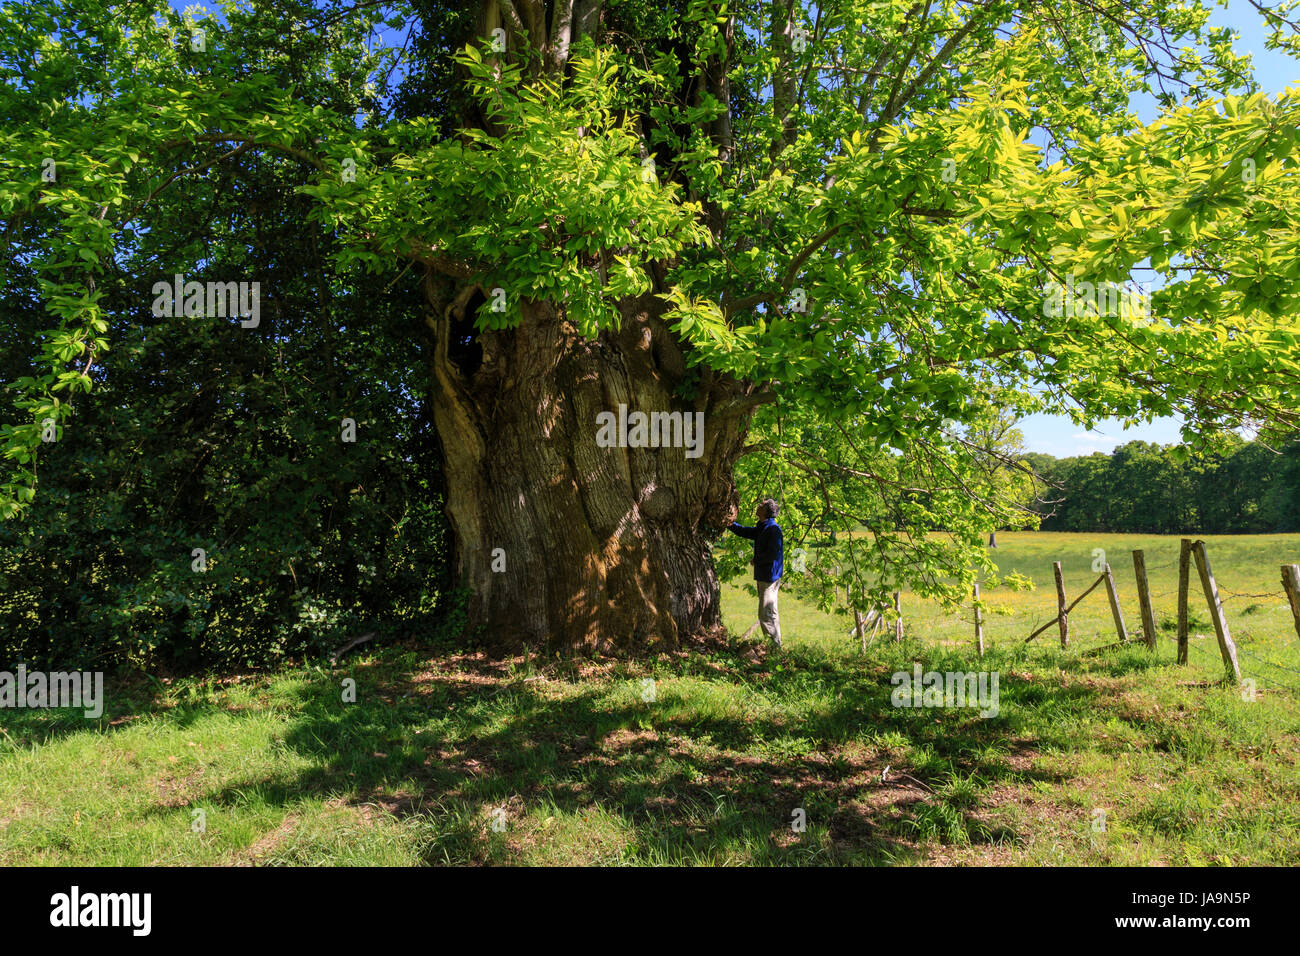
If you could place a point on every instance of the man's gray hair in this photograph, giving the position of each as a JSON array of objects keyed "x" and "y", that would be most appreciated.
[{"x": 771, "y": 507}]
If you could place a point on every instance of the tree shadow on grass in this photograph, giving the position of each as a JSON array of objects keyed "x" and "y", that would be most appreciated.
[
  {"x": 126, "y": 699},
  {"x": 676, "y": 779}
]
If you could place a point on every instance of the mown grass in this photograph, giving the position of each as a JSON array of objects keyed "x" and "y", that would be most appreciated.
[{"x": 583, "y": 762}]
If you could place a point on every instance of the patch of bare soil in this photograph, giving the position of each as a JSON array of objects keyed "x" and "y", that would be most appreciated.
[
  {"x": 266, "y": 844},
  {"x": 175, "y": 791}
]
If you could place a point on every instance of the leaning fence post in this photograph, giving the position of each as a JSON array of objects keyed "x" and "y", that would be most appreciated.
[
  {"x": 1291, "y": 581},
  {"x": 1184, "y": 574},
  {"x": 1062, "y": 615},
  {"x": 1226, "y": 647},
  {"x": 1115, "y": 612},
  {"x": 1144, "y": 598},
  {"x": 898, "y": 615},
  {"x": 979, "y": 624}
]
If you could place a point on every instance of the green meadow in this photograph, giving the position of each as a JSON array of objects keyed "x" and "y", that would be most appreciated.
[{"x": 724, "y": 755}]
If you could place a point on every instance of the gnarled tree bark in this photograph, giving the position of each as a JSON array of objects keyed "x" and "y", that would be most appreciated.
[{"x": 564, "y": 543}]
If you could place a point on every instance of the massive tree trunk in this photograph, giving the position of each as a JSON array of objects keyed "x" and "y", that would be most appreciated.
[{"x": 564, "y": 543}]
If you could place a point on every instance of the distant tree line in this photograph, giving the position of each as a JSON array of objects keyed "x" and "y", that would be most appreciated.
[{"x": 1241, "y": 487}]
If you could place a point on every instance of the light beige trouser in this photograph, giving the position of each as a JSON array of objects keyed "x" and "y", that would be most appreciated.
[{"x": 767, "y": 612}]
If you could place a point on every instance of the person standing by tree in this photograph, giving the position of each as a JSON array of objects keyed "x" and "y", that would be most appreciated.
[{"x": 769, "y": 552}]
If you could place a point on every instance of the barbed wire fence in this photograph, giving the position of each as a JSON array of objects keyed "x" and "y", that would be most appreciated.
[
  {"x": 1198, "y": 578},
  {"x": 1194, "y": 567}
]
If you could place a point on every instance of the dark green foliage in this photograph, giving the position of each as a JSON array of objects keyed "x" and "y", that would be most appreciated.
[
  {"x": 434, "y": 86},
  {"x": 1241, "y": 487},
  {"x": 205, "y": 434}
]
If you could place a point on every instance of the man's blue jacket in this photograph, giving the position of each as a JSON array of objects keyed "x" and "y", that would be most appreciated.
[{"x": 769, "y": 548}]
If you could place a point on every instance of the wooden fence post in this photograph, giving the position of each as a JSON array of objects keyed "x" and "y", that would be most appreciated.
[
  {"x": 871, "y": 621},
  {"x": 979, "y": 624},
  {"x": 1062, "y": 619},
  {"x": 1073, "y": 604},
  {"x": 898, "y": 615},
  {"x": 1115, "y": 612},
  {"x": 1144, "y": 599},
  {"x": 1184, "y": 574},
  {"x": 1226, "y": 647},
  {"x": 1291, "y": 581}
]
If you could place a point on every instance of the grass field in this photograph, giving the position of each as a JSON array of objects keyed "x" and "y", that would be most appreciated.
[
  {"x": 1247, "y": 569},
  {"x": 468, "y": 761}
]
